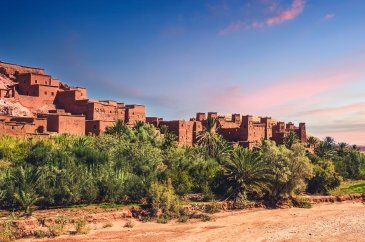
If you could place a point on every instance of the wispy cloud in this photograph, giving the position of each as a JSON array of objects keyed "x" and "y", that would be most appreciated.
[
  {"x": 295, "y": 9},
  {"x": 328, "y": 16},
  {"x": 349, "y": 108},
  {"x": 352, "y": 133},
  {"x": 278, "y": 16},
  {"x": 284, "y": 91}
]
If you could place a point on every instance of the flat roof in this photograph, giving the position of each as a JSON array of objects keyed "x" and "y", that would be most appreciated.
[{"x": 8, "y": 63}]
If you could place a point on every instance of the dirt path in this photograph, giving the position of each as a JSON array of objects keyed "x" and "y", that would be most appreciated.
[{"x": 324, "y": 222}]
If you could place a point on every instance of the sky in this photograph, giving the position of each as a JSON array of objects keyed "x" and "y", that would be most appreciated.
[{"x": 294, "y": 60}]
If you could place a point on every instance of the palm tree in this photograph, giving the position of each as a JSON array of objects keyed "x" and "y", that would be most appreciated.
[
  {"x": 312, "y": 141},
  {"x": 164, "y": 129},
  {"x": 342, "y": 148},
  {"x": 139, "y": 125},
  {"x": 117, "y": 129},
  {"x": 208, "y": 138},
  {"x": 246, "y": 173},
  {"x": 26, "y": 181},
  {"x": 327, "y": 148},
  {"x": 290, "y": 139}
]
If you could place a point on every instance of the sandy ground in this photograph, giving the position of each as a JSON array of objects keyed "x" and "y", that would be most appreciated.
[{"x": 324, "y": 222}]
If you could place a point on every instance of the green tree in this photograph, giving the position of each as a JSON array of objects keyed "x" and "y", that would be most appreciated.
[
  {"x": 118, "y": 128},
  {"x": 246, "y": 173},
  {"x": 291, "y": 168},
  {"x": 290, "y": 139},
  {"x": 26, "y": 181},
  {"x": 342, "y": 149},
  {"x": 327, "y": 148},
  {"x": 325, "y": 178},
  {"x": 213, "y": 143},
  {"x": 313, "y": 141}
]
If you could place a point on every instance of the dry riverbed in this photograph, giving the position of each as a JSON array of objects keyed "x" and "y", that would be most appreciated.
[{"x": 341, "y": 221}]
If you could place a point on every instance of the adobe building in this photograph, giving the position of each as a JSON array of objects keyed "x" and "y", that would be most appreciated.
[
  {"x": 247, "y": 131},
  {"x": 54, "y": 107},
  {"x": 34, "y": 103}
]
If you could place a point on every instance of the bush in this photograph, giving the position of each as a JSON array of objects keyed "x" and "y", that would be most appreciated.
[
  {"x": 301, "y": 202},
  {"x": 107, "y": 225},
  {"x": 129, "y": 224},
  {"x": 55, "y": 230},
  {"x": 41, "y": 234},
  {"x": 145, "y": 219},
  {"x": 206, "y": 218},
  {"x": 7, "y": 231},
  {"x": 81, "y": 226},
  {"x": 183, "y": 218},
  {"x": 59, "y": 227},
  {"x": 163, "y": 198},
  {"x": 213, "y": 208},
  {"x": 163, "y": 219},
  {"x": 325, "y": 178},
  {"x": 291, "y": 169}
]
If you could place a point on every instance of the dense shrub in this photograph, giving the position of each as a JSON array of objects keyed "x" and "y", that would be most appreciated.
[
  {"x": 163, "y": 198},
  {"x": 325, "y": 178},
  {"x": 139, "y": 164},
  {"x": 290, "y": 169}
]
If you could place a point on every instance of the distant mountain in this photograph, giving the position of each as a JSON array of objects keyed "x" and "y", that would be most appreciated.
[{"x": 362, "y": 148}]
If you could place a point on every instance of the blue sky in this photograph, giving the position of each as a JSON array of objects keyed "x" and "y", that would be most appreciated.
[{"x": 295, "y": 60}]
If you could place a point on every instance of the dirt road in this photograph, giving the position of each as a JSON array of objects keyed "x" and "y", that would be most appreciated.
[{"x": 324, "y": 222}]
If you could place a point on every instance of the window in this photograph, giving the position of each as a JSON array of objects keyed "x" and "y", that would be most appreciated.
[
  {"x": 94, "y": 126},
  {"x": 36, "y": 81},
  {"x": 52, "y": 93},
  {"x": 45, "y": 93}
]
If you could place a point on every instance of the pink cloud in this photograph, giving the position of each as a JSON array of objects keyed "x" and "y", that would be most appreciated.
[
  {"x": 350, "y": 137},
  {"x": 232, "y": 27},
  {"x": 280, "y": 16},
  {"x": 286, "y": 96},
  {"x": 295, "y": 10},
  {"x": 354, "y": 107},
  {"x": 284, "y": 91}
]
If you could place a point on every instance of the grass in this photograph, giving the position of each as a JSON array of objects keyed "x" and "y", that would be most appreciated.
[
  {"x": 114, "y": 205},
  {"x": 350, "y": 187},
  {"x": 183, "y": 218},
  {"x": 129, "y": 224},
  {"x": 206, "y": 218},
  {"x": 107, "y": 225}
]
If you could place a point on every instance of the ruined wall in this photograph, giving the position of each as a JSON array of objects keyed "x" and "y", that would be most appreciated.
[
  {"x": 13, "y": 70},
  {"x": 200, "y": 117}
]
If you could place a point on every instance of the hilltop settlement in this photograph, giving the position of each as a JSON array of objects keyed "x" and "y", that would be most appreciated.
[{"x": 34, "y": 103}]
